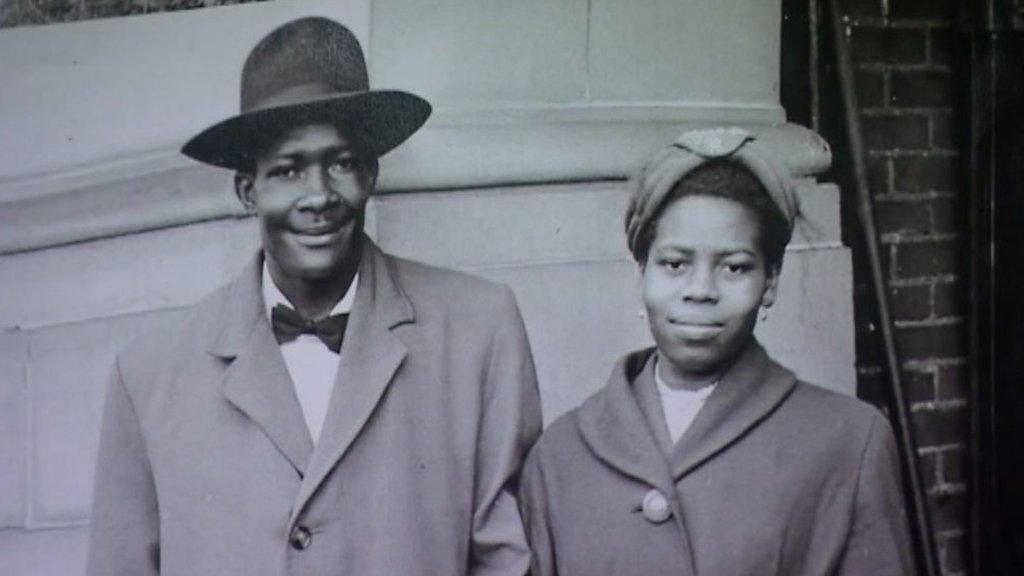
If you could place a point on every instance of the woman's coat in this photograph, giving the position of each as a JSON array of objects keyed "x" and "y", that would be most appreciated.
[
  {"x": 773, "y": 477},
  {"x": 206, "y": 465}
]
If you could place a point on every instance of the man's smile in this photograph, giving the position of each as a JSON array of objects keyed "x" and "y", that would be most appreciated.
[{"x": 693, "y": 330}]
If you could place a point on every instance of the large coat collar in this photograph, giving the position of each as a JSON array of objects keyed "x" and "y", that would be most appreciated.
[
  {"x": 256, "y": 380},
  {"x": 613, "y": 425}
]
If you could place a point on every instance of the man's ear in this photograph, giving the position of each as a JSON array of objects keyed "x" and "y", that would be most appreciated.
[
  {"x": 771, "y": 286},
  {"x": 372, "y": 170},
  {"x": 246, "y": 191}
]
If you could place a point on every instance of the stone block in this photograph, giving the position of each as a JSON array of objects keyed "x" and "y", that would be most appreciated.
[
  {"x": 13, "y": 429},
  {"x": 554, "y": 223},
  {"x": 44, "y": 552},
  {"x": 468, "y": 54},
  {"x": 113, "y": 205},
  {"x": 93, "y": 91},
  {"x": 501, "y": 226},
  {"x": 676, "y": 52},
  {"x": 581, "y": 318},
  {"x": 810, "y": 327},
  {"x": 68, "y": 374},
  {"x": 819, "y": 224},
  {"x": 122, "y": 275}
]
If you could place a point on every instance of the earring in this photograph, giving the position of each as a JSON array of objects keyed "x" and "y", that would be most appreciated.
[
  {"x": 764, "y": 313},
  {"x": 642, "y": 313}
]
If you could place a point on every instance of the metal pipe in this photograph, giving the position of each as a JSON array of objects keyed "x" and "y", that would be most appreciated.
[{"x": 927, "y": 558}]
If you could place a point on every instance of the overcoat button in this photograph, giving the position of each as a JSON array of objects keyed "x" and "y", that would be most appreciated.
[
  {"x": 655, "y": 507},
  {"x": 300, "y": 538}
]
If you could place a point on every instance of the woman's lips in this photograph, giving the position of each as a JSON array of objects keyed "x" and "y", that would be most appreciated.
[{"x": 696, "y": 330}]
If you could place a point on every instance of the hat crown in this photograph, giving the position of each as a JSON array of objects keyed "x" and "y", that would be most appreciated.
[
  {"x": 308, "y": 57},
  {"x": 310, "y": 70}
]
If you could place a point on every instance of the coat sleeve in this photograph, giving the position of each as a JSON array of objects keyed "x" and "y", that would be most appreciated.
[
  {"x": 879, "y": 541},
  {"x": 510, "y": 421},
  {"x": 533, "y": 503},
  {"x": 124, "y": 537}
]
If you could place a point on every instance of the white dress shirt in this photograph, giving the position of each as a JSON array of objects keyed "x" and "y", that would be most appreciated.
[
  {"x": 680, "y": 405},
  {"x": 312, "y": 365}
]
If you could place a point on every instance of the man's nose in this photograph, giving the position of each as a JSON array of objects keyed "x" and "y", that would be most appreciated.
[
  {"x": 321, "y": 191},
  {"x": 700, "y": 285}
]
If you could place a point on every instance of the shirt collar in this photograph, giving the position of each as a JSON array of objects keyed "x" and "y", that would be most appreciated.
[
  {"x": 702, "y": 390},
  {"x": 272, "y": 295}
]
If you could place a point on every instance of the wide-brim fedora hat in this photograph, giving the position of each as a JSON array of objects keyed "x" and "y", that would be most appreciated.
[{"x": 306, "y": 71}]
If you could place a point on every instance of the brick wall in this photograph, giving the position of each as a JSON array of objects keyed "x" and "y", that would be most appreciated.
[{"x": 907, "y": 78}]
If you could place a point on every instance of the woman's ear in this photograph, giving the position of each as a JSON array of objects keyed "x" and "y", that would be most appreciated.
[
  {"x": 771, "y": 287},
  {"x": 246, "y": 191}
]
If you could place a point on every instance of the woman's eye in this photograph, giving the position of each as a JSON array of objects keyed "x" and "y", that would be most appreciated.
[
  {"x": 738, "y": 269},
  {"x": 673, "y": 264}
]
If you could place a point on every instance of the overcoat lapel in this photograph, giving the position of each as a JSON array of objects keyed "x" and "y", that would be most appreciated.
[
  {"x": 748, "y": 392},
  {"x": 255, "y": 378},
  {"x": 613, "y": 426},
  {"x": 370, "y": 356}
]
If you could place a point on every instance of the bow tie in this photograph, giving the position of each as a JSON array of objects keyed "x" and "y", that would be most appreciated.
[{"x": 288, "y": 324}]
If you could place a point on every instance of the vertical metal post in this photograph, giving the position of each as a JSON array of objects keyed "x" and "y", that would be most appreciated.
[{"x": 920, "y": 519}]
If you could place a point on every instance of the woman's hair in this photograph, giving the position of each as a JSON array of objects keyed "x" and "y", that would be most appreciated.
[{"x": 728, "y": 179}]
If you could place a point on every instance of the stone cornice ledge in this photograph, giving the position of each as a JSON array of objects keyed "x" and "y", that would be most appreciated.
[{"x": 457, "y": 149}]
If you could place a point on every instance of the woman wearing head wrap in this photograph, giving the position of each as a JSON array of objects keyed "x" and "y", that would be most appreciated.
[{"x": 702, "y": 455}]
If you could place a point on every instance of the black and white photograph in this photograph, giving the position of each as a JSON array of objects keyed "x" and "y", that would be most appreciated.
[{"x": 483, "y": 287}]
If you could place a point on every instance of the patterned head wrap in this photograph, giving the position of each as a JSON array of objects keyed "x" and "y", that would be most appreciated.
[{"x": 694, "y": 148}]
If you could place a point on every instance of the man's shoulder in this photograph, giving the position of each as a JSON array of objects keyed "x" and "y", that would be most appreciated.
[
  {"x": 426, "y": 283},
  {"x": 180, "y": 331}
]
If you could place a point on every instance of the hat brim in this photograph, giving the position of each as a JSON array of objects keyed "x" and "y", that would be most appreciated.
[{"x": 377, "y": 120}]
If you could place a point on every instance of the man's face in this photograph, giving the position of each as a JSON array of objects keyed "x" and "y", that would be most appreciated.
[{"x": 309, "y": 190}]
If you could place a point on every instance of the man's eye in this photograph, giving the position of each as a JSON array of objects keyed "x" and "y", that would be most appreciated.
[
  {"x": 673, "y": 264},
  {"x": 342, "y": 166},
  {"x": 284, "y": 172}
]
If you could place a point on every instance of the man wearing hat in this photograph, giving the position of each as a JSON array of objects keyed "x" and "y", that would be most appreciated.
[{"x": 334, "y": 409}]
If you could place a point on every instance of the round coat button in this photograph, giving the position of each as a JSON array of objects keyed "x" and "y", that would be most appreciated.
[
  {"x": 300, "y": 538},
  {"x": 655, "y": 507}
]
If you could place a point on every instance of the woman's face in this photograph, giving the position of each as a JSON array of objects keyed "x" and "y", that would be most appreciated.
[{"x": 704, "y": 279}]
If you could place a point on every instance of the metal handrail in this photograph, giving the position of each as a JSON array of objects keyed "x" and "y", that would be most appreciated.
[{"x": 921, "y": 520}]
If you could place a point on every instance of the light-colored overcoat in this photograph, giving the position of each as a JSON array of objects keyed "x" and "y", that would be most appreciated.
[
  {"x": 206, "y": 465},
  {"x": 773, "y": 477}
]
